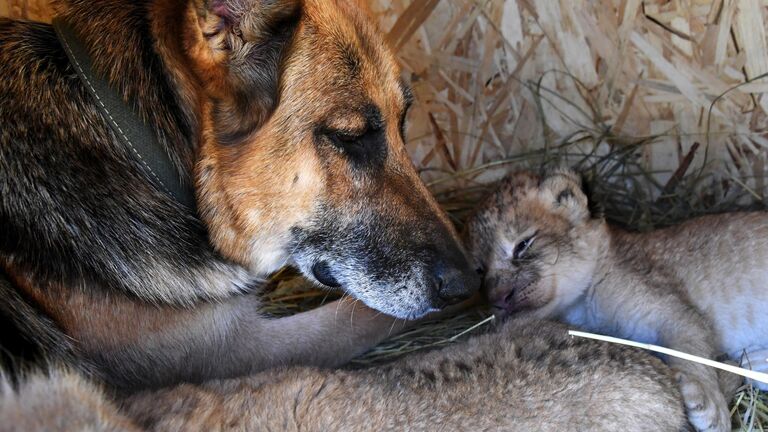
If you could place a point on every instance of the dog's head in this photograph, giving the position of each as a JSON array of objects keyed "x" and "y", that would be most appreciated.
[{"x": 303, "y": 159}]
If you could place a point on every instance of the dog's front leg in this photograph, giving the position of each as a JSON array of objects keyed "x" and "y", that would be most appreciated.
[
  {"x": 328, "y": 336},
  {"x": 137, "y": 345}
]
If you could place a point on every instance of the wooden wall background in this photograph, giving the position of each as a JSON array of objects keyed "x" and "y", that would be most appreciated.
[{"x": 496, "y": 80}]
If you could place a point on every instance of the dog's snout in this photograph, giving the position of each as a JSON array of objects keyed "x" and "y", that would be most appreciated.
[
  {"x": 455, "y": 282},
  {"x": 453, "y": 287}
]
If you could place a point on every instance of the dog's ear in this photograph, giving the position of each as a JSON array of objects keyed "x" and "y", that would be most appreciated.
[{"x": 237, "y": 49}]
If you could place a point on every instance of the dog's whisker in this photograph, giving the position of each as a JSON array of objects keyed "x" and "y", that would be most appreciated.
[
  {"x": 352, "y": 314},
  {"x": 392, "y": 327}
]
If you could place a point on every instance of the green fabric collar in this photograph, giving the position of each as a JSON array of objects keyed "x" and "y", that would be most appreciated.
[{"x": 127, "y": 125}]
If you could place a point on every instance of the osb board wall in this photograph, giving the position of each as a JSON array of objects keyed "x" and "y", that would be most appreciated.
[{"x": 495, "y": 80}]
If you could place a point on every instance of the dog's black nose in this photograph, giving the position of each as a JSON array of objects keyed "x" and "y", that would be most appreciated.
[
  {"x": 322, "y": 272},
  {"x": 455, "y": 282}
]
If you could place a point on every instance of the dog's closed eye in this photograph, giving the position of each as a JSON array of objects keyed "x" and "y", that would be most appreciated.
[
  {"x": 346, "y": 137},
  {"x": 364, "y": 150},
  {"x": 364, "y": 146}
]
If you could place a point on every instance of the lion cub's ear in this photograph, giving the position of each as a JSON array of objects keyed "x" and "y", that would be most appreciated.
[
  {"x": 562, "y": 189},
  {"x": 236, "y": 49}
]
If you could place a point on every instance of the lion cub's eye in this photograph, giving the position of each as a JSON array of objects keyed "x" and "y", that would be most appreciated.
[{"x": 522, "y": 247}]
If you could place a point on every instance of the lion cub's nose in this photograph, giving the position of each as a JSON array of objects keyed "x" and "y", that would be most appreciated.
[
  {"x": 455, "y": 283},
  {"x": 503, "y": 301}
]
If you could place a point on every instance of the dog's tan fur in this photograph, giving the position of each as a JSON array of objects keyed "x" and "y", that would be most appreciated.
[
  {"x": 699, "y": 287},
  {"x": 522, "y": 376}
]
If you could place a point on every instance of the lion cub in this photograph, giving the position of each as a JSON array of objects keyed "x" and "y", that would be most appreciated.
[{"x": 700, "y": 287}]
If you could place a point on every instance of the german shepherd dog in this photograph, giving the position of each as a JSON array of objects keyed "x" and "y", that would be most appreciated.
[{"x": 286, "y": 116}]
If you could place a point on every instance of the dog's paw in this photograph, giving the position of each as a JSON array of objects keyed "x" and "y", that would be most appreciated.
[{"x": 706, "y": 407}]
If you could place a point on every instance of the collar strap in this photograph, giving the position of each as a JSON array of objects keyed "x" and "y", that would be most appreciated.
[{"x": 125, "y": 122}]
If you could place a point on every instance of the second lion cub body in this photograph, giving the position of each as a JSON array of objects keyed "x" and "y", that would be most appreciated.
[
  {"x": 523, "y": 376},
  {"x": 700, "y": 287}
]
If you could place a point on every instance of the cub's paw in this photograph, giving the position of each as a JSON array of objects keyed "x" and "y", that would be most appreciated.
[
  {"x": 756, "y": 361},
  {"x": 706, "y": 407},
  {"x": 729, "y": 382}
]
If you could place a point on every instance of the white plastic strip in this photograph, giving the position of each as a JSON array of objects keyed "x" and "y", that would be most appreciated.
[{"x": 757, "y": 376}]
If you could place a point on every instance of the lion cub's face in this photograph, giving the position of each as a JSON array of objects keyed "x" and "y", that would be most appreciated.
[{"x": 535, "y": 243}]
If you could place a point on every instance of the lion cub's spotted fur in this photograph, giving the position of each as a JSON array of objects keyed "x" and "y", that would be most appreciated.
[
  {"x": 700, "y": 287},
  {"x": 524, "y": 376}
]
